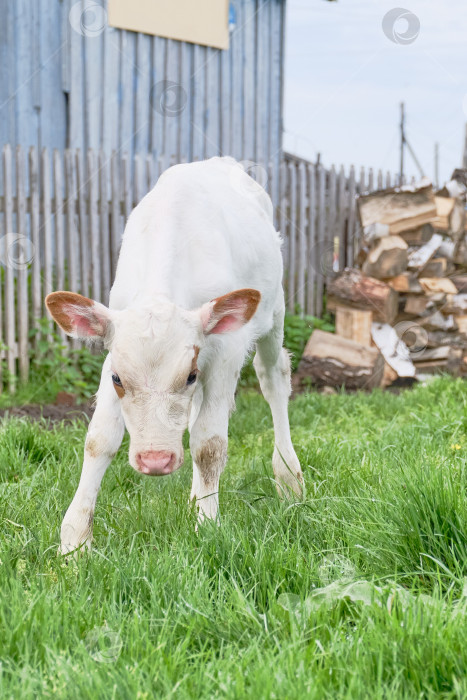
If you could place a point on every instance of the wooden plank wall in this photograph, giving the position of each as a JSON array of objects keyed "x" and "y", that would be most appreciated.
[
  {"x": 71, "y": 81},
  {"x": 62, "y": 217}
]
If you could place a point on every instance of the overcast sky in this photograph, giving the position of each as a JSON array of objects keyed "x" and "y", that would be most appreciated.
[{"x": 344, "y": 80}]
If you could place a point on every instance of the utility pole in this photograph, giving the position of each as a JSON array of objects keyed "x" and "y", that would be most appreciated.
[
  {"x": 401, "y": 173},
  {"x": 436, "y": 165},
  {"x": 404, "y": 143}
]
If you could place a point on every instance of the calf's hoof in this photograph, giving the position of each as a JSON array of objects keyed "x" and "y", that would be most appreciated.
[{"x": 73, "y": 541}]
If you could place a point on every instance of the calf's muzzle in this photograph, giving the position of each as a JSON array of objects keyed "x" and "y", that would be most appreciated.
[{"x": 156, "y": 463}]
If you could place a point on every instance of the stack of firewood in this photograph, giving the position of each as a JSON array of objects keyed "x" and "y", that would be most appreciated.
[{"x": 402, "y": 311}]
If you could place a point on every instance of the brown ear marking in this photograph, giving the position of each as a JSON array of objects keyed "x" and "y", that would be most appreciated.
[
  {"x": 56, "y": 301},
  {"x": 251, "y": 297}
]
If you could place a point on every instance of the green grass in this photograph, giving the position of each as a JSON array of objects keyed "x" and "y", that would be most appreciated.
[{"x": 159, "y": 612}]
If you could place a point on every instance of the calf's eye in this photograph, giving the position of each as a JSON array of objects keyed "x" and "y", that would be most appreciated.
[
  {"x": 116, "y": 379},
  {"x": 191, "y": 378}
]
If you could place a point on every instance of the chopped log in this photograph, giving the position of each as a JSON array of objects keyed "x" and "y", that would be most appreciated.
[
  {"x": 419, "y": 257},
  {"x": 329, "y": 360},
  {"x": 374, "y": 232},
  {"x": 437, "y": 267},
  {"x": 460, "y": 282},
  {"x": 417, "y": 236},
  {"x": 354, "y": 324},
  {"x": 447, "y": 250},
  {"x": 429, "y": 354},
  {"x": 451, "y": 364},
  {"x": 460, "y": 253},
  {"x": 455, "y": 304},
  {"x": 435, "y": 339},
  {"x": 353, "y": 289},
  {"x": 393, "y": 349},
  {"x": 438, "y": 322},
  {"x": 449, "y": 216},
  {"x": 419, "y": 305},
  {"x": 387, "y": 259},
  {"x": 389, "y": 376},
  {"x": 401, "y": 208},
  {"x": 462, "y": 324},
  {"x": 432, "y": 285},
  {"x": 406, "y": 282}
]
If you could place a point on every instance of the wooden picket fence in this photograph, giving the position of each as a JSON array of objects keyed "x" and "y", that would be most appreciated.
[
  {"x": 318, "y": 219},
  {"x": 62, "y": 215}
]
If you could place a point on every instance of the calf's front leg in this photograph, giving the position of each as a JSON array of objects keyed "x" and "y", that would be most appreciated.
[
  {"x": 208, "y": 438},
  {"x": 103, "y": 439}
]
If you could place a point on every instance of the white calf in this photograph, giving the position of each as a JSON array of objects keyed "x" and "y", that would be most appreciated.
[{"x": 178, "y": 335}]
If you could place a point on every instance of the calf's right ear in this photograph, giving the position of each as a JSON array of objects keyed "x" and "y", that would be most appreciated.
[
  {"x": 229, "y": 312},
  {"x": 78, "y": 316}
]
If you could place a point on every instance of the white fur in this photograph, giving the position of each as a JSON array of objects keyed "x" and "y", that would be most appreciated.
[{"x": 204, "y": 230}]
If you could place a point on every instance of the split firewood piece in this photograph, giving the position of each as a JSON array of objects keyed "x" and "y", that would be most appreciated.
[
  {"x": 429, "y": 354},
  {"x": 387, "y": 259},
  {"x": 401, "y": 208},
  {"x": 393, "y": 349},
  {"x": 419, "y": 305},
  {"x": 417, "y": 236},
  {"x": 419, "y": 257},
  {"x": 432, "y": 285},
  {"x": 438, "y": 322},
  {"x": 389, "y": 376},
  {"x": 447, "y": 250},
  {"x": 449, "y": 216},
  {"x": 405, "y": 282},
  {"x": 353, "y": 289},
  {"x": 436, "y": 267},
  {"x": 435, "y": 339},
  {"x": 330, "y": 360},
  {"x": 455, "y": 304},
  {"x": 451, "y": 362},
  {"x": 462, "y": 323},
  {"x": 460, "y": 282},
  {"x": 460, "y": 253},
  {"x": 354, "y": 324},
  {"x": 374, "y": 232}
]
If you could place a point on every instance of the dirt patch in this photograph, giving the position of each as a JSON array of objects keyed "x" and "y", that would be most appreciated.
[{"x": 53, "y": 413}]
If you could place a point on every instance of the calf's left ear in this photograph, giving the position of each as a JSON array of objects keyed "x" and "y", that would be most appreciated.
[
  {"x": 78, "y": 316},
  {"x": 229, "y": 312}
]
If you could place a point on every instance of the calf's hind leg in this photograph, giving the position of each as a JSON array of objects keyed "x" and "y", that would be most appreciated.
[
  {"x": 272, "y": 365},
  {"x": 104, "y": 437}
]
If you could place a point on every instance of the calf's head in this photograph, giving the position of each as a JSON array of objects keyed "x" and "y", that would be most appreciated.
[{"x": 154, "y": 363}]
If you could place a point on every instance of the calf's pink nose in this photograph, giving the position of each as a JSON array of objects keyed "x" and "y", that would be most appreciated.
[{"x": 156, "y": 463}]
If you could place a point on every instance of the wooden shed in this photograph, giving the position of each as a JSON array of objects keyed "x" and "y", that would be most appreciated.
[{"x": 71, "y": 80}]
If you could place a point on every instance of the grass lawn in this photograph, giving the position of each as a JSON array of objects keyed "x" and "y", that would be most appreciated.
[{"x": 359, "y": 591}]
